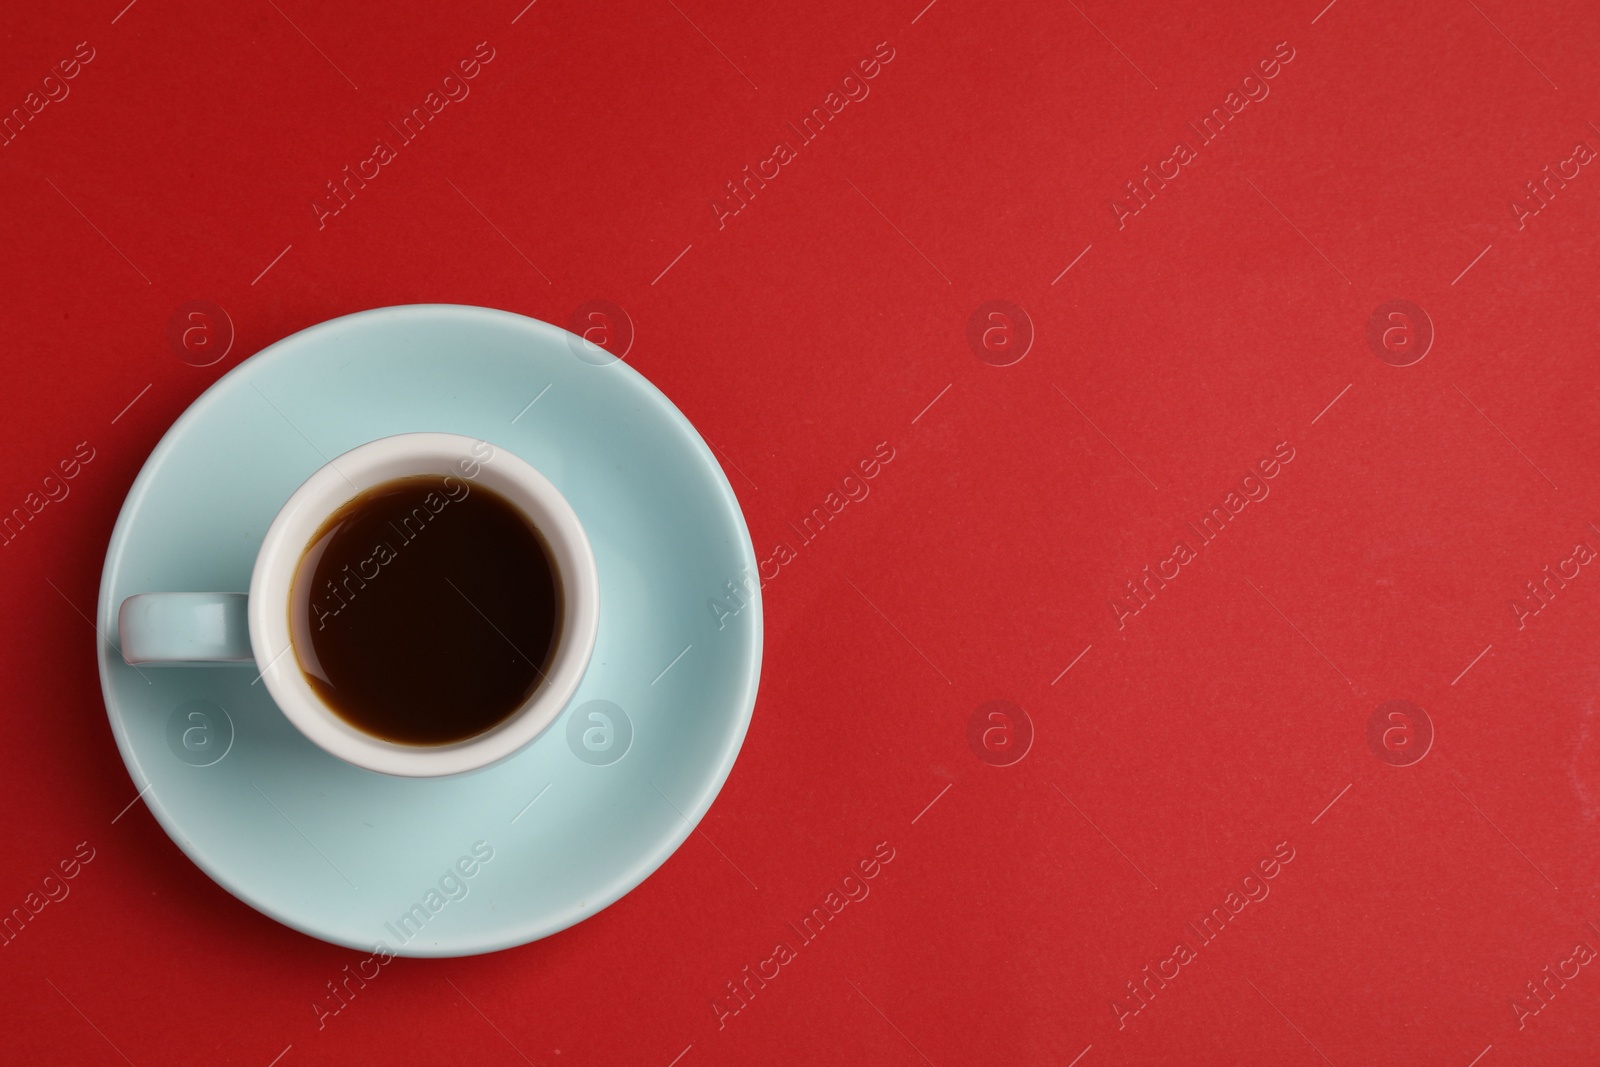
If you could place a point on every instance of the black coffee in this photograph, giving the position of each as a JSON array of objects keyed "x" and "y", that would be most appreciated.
[{"x": 426, "y": 610}]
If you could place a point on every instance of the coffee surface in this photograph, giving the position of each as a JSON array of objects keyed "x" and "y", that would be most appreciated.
[{"x": 425, "y": 610}]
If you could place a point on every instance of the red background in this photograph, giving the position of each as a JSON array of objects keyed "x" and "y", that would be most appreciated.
[{"x": 821, "y": 320}]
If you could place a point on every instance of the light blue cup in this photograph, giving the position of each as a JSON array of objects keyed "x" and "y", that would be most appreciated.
[{"x": 257, "y": 630}]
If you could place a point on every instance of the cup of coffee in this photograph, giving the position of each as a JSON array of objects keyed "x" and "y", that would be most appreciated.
[{"x": 423, "y": 605}]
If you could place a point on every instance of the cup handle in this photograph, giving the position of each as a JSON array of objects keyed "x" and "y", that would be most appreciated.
[{"x": 177, "y": 628}]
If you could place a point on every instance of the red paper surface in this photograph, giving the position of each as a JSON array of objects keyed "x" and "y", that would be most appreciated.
[{"x": 1173, "y": 349}]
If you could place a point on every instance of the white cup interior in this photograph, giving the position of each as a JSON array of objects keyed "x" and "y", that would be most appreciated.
[{"x": 477, "y": 463}]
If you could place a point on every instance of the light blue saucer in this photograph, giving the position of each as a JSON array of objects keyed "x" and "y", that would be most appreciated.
[{"x": 570, "y": 823}]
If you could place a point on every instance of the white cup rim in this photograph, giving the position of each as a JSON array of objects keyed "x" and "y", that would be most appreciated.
[{"x": 374, "y": 463}]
